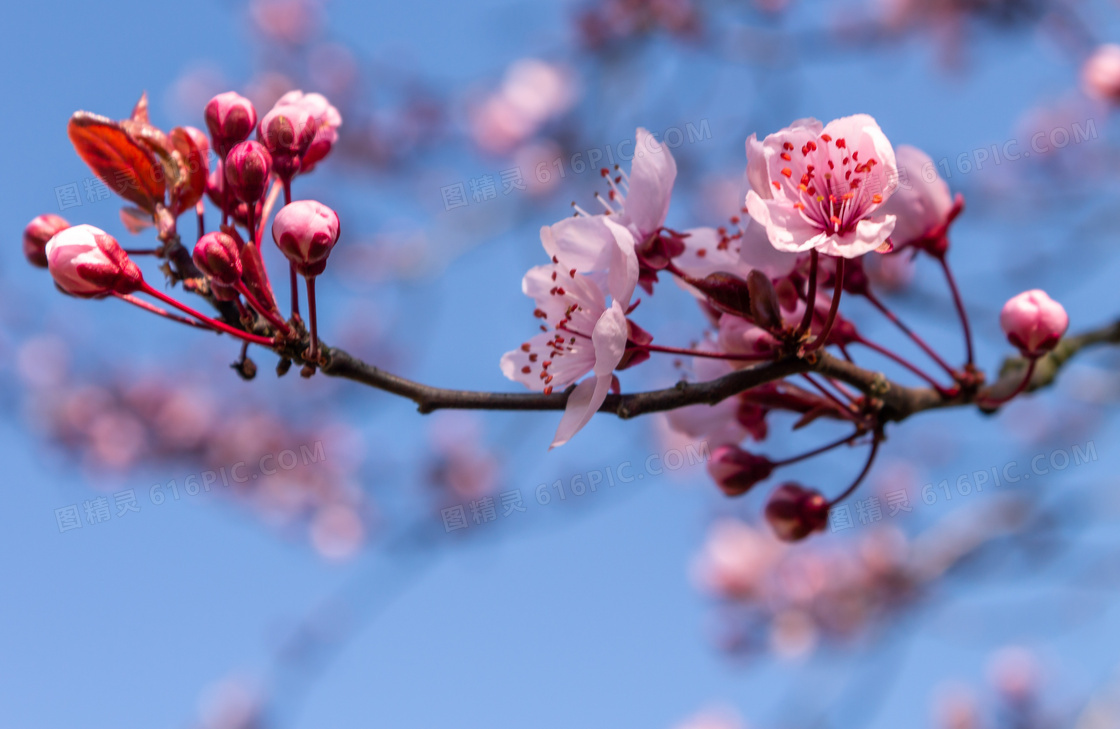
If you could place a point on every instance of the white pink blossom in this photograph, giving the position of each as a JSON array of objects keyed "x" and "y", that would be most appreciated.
[
  {"x": 583, "y": 331},
  {"x": 823, "y": 188}
]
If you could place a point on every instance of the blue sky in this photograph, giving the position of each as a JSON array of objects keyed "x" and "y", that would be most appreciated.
[{"x": 583, "y": 614}]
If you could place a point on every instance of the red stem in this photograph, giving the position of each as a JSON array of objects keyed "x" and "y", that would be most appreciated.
[
  {"x": 960, "y": 307},
  {"x": 874, "y": 300},
  {"x": 156, "y": 310},
  {"x": 905, "y": 363},
  {"x": 269, "y": 314},
  {"x": 811, "y": 305},
  {"x": 1022, "y": 386},
  {"x": 291, "y": 266},
  {"x": 710, "y": 355},
  {"x": 862, "y": 474},
  {"x": 811, "y": 298},
  {"x": 844, "y": 408},
  {"x": 818, "y": 451},
  {"x": 214, "y": 323},
  {"x": 314, "y": 356}
]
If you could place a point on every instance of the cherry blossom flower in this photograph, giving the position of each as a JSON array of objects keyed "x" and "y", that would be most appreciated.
[
  {"x": 639, "y": 200},
  {"x": 823, "y": 188},
  {"x": 584, "y": 332}
]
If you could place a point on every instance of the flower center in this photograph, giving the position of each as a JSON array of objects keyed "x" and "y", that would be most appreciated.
[{"x": 832, "y": 187}]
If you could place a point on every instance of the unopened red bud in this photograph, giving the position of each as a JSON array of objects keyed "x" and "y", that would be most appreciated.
[
  {"x": 248, "y": 166},
  {"x": 36, "y": 235},
  {"x": 306, "y": 231},
  {"x": 736, "y": 471},
  {"x": 217, "y": 256},
  {"x": 230, "y": 118},
  {"x": 88, "y": 262},
  {"x": 287, "y": 132},
  {"x": 1033, "y": 322},
  {"x": 764, "y": 301},
  {"x": 794, "y": 512}
]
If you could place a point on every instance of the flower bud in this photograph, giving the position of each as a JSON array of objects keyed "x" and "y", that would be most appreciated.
[
  {"x": 794, "y": 512},
  {"x": 248, "y": 166},
  {"x": 735, "y": 470},
  {"x": 217, "y": 256},
  {"x": 1100, "y": 76},
  {"x": 327, "y": 121},
  {"x": 88, "y": 262},
  {"x": 306, "y": 231},
  {"x": 36, "y": 235},
  {"x": 764, "y": 301},
  {"x": 287, "y": 132},
  {"x": 1033, "y": 322},
  {"x": 230, "y": 118}
]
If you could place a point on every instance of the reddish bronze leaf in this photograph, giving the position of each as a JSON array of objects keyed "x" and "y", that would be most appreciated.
[
  {"x": 193, "y": 170},
  {"x": 129, "y": 169}
]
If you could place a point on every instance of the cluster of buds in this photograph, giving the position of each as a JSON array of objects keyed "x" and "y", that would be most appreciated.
[
  {"x": 821, "y": 197},
  {"x": 166, "y": 174}
]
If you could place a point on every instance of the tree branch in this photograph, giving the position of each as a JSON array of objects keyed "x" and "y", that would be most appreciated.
[{"x": 895, "y": 402}]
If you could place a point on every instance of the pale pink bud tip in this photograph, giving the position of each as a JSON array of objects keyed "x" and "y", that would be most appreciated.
[
  {"x": 287, "y": 132},
  {"x": 217, "y": 256},
  {"x": 36, "y": 235},
  {"x": 88, "y": 262},
  {"x": 327, "y": 120},
  {"x": 230, "y": 118},
  {"x": 306, "y": 231},
  {"x": 248, "y": 166},
  {"x": 735, "y": 470},
  {"x": 1033, "y": 322},
  {"x": 794, "y": 512}
]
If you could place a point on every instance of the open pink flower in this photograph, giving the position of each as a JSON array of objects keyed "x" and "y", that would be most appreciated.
[
  {"x": 584, "y": 333},
  {"x": 638, "y": 200},
  {"x": 823, "y": 188}
]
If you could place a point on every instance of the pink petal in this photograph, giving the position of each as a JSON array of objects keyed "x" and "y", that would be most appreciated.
[
  {"x": 757, "y": 175},
  {"x": 582, "y": 404},
  {"x": 868, "y": 235},
  {"x": 580, "y": 242},
  {"x": 651, "y": 184},
  {"x": 622, "y": 276},
  {"x": 785, "y": 227},
  {"x": 756, "y": 253}
]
